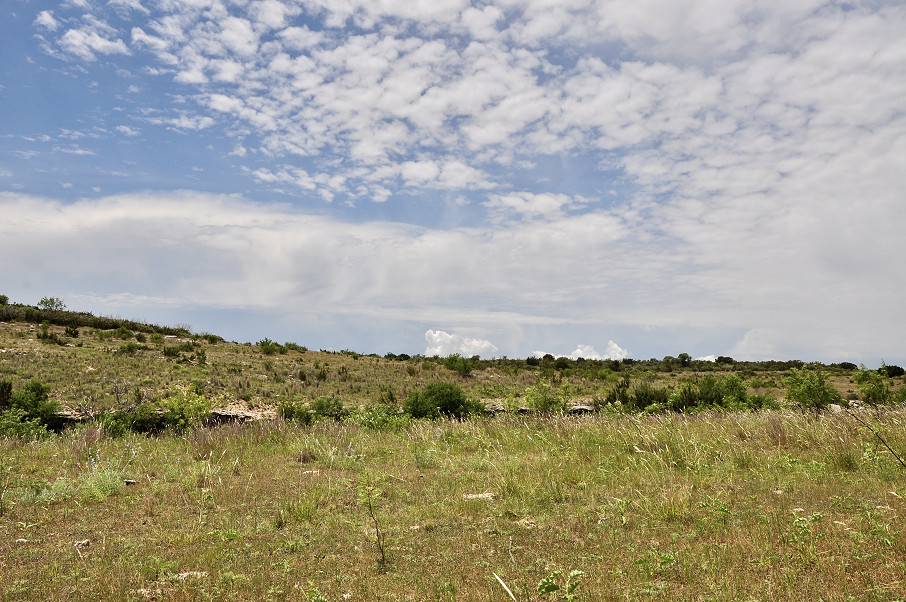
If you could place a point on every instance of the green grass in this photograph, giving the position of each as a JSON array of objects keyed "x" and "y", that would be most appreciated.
[
  {"x": 369, "y": 505},
  {"x": 711, "y": 507}
]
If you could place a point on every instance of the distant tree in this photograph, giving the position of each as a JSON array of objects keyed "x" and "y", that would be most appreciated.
[
  {"x": 51, "y": 304},
  {"x": 723, "y": 359},
  {"x": 4, "y": 299},
  {"x": 685, "y": 359},
  {"x": 894, "y": 371}
]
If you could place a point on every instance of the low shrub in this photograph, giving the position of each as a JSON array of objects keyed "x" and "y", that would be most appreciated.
[
  {"x": 329, "y": 406},
  {"x": 457, "y": 363},
  {"x": 440, "y": 399},
  {"x": 380, "y": 417},
  {"x": 544, "y": 399},
  {"x": 295, "y": 411},
  {"x": 15, "y": 424},
  {"x": 185, "y": 410},
  {"x": 810, "y": 390}
]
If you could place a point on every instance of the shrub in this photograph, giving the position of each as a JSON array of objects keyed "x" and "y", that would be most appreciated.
[
  {"x": 269, "y": 347},
  {"x": 380, "y": 417},
  {"x": 328, "y": 406},
  {"x": 810, "y": 390},
  {"x": 4, "y": 300},
  {"x": 542, "y": 398},
  {"x": 648, "y": 398},
  {"x": 186, "y": 410},
  {"x": 72, "y": 332},
  {"x": 295, "y": 411},
  {"x": 6, "y": 394},
  {"x": 15, "y": 424},
  {"x": 874, "y": 386},
  {"x": 440, "y": 399},
  {"x": 34, "y": 401},
  {"x": 893, "y": 371},
  {"x": 459, "y": 364}
]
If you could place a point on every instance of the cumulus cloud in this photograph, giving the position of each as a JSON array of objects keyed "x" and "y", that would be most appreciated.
[
  {"x": 443, "y": 343},
  {"x": 46, "y": 20},
  {"x": 739, "y": 159},
  {"x": 612, "y": 352}
]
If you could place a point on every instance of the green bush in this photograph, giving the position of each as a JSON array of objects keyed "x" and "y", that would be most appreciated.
[
  {"x": 457, "y": 363},
  {"x": 4, "y": 300},
  {"x": 874, "y": 386},
  {"x": 269, "y": 347},
  {"x": 544, "y": 399},
  {"x": 34, "y": 400},
  {"x": 329, "y": 406},
  {"x": 295, "y": 411},
  {"x": 185, "y": 410},
  {"x": 15, "y": 424},
  {"x": 51, "y": 304},
  {"x": 810, "y": 390},
  {"x": 380, "y": 417},
  {"x": 6, "y": 394},
  {"x": 440, "y": 399}
]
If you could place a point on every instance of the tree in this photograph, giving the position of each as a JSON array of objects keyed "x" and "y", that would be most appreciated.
[
  {"x": 52, "y": 304},
  {"x": 811, "y": 390},
  {"x": 4, "y": 299}
]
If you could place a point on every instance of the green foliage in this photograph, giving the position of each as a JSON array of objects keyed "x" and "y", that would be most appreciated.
[
  {"x": 457, "y": 363},
  {"x": 6, "y": 394},
  {"x": 810, "y": 390},
  {"x": 35, "y": 403},
  {"x": 874, "y": 386},
  {"x": 380, "y": 417},
  {"x": 4, "y": 300},
  {"x": 16, "y": 424},
  {"x": 51, "y": 304},
  {"x": 544, "y": 399},
  {"x": 72, "y": 332},
  {"x": 295, "y": 411},
  {"x": 440, "y": 399},
  {"x": 269, "y": 347},
  {"x": 185, "y": 410},
  {"x": 550, "y": 585},
  {"x": 329, "y": 406}
]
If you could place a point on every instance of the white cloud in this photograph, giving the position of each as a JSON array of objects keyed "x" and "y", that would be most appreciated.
[
  {"x": 46, "y": 20},
  {"x": 583, "y": 274},
  {"x": 126, "y": 130},
  {"x": 443, "y": 344},
  {"x": 612, "y": 352},
  {"x": 90, "y": 39}
]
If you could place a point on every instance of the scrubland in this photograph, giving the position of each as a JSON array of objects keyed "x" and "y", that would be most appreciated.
[{"x": 360, "y": 501}]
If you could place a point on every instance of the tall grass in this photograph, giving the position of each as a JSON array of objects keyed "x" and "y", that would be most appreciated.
[{"x": 719, "y": 506}]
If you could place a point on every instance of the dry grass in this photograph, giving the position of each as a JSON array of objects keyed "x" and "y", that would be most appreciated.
[{"x": 712, "y": 507}]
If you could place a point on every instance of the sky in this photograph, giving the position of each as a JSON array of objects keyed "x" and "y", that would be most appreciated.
[{"x": 503, "y": 178}]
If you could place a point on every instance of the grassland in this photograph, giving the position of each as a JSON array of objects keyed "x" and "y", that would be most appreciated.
[{"x": 717, "y": 505}]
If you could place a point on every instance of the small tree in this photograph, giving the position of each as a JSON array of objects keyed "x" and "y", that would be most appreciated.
[
  {"x": 51, "y": 304},
  {"x": 4, "y": 299},
  {"x": 810, "y": 390}
]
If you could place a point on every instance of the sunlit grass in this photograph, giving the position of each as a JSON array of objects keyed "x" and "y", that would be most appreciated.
[{"x": 715, "y": 506}]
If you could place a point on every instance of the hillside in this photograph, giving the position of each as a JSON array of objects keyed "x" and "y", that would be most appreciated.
[{"x": 119, "y": 364}]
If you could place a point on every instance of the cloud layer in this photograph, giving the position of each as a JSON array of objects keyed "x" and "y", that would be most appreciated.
[{"x": 678, "y": 175}]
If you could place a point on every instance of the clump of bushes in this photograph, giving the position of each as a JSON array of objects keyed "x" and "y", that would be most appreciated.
[
  {"x": 459, "y": 364},
  {"x": 440, "y": 399},
  {"x": 28, "y": 413},
  {"x": 810, "y": 390},
  {"x": 544, "y": 399}
]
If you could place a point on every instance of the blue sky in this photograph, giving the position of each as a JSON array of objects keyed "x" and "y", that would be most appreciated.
[{"x": 595, "y": 178}]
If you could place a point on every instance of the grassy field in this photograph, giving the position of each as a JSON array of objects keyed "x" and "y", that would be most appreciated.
[
  {"x": 764, "y": 506},
  {"x": 715, "y": 505}
]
